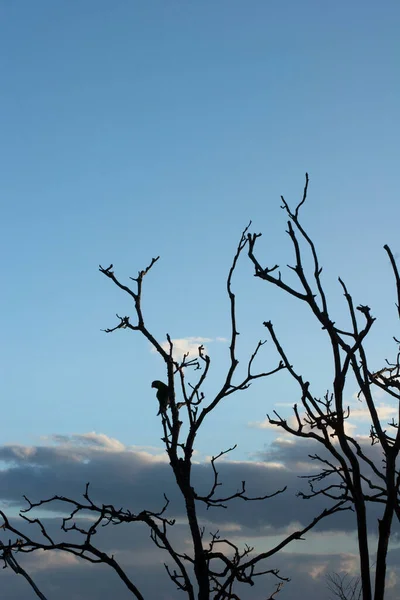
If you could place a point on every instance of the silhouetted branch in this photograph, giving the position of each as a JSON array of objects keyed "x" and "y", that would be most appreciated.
[
  {"x": 324, "y": 420},
  {"x": 7, "y": 554},
  {"x": 344, "y": 587}
]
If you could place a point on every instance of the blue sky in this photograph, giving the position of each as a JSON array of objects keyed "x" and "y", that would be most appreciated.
[
  {"x": 135, "y": 129},
  {"x": 132, "y": 129}
]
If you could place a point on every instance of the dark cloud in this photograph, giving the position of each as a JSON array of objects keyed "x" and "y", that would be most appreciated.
[
  {"x": 77, "y": 581},
  {"x": 137, "y": 479}
]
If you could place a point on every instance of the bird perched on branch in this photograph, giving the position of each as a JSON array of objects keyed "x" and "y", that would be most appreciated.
[{"x": 162, "y": 395}]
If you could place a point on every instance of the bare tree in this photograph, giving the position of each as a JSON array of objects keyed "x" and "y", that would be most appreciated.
[
  {"x": 8, "y": 555},
  {"x": 348, "y": 474},
  {"x": 344, "y": 586},
  {"x": 349, "y": 477},
  {"x": 207, "y": 572}
]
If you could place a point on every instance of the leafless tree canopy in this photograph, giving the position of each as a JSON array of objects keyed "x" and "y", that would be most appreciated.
[
  {"x": 348, "y": 478},
  {"x": 348, "y": 474},
  {"x": 344, "y": 587}
]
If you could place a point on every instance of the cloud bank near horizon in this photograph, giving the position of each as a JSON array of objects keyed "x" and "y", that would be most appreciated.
[{"x": 136, "y": 478}]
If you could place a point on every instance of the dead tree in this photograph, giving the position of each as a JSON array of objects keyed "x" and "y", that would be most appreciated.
[
  {"x": 344, "y": 587},
  {"x": 207, "y": 572},
  {"x": 348, "y": 474},
  {"x": 8, "y": 555}
]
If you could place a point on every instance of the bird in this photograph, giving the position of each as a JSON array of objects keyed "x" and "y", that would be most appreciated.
[{"x": 162, "y": 395}]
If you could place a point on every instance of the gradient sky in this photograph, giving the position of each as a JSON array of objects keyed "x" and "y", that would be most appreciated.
[{"x": 134, "y": 129}]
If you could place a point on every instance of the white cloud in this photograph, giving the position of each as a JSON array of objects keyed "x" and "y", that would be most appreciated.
[
  {"x": 93, "y": 439},
  {"x": 385, "y": 412},
  {"x": 102, "y": 442},
  {"x": 22, "y": 452},
  {"x": 350, "y": 564},
  {"x": 317, "y": 570},
  {"x": 189, "y": 345},
  {"x": 274, "y": 465},
  {"x": 359, "y": 414},
  {"x": 392, "y": 579},
  {"x": 53, "y": 559}
]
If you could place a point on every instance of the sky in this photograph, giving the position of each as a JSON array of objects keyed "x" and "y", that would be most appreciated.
[{"x": 131, "y": 130}]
